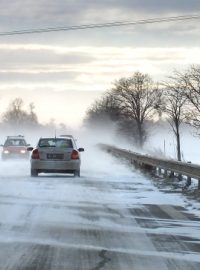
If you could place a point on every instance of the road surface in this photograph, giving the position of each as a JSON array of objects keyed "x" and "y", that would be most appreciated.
[{"x": 110, "y": 218}]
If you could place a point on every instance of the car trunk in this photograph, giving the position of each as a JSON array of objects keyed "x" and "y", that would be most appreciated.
[{"x": 53, "y": 153}]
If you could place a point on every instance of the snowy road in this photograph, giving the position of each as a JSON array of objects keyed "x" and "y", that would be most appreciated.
[{"x": 110, "y": 218}]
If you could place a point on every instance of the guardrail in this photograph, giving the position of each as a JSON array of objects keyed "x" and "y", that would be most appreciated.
[{"x": 149, "y": 162}]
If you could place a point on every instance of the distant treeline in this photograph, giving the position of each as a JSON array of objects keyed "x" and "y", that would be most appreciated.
[
  {"x": 19, "y": 118},
  {"x": 136, "y": 102}
]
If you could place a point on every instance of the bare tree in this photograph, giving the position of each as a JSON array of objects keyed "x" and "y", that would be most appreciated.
[
  {"x": 137, "y": 98},
  {"x": 102, "y": 111},
  {"x": 174, "y": 102},
  {"x": 190, "y": 81},
  {"x": 127, "y": 129},
  {"x": 32, "y": 115},
  {"x": 15, "y": 115}
]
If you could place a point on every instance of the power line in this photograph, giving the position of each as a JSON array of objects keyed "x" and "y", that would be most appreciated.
[{"x": 101, "y": 25}]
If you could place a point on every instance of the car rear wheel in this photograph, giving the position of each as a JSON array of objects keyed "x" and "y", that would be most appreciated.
[
  {"x": 34, "y": 173},
  {"x": 77, "y": 173}
]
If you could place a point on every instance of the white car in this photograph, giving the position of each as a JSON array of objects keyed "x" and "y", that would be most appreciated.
[{"x": 56, "y": 155}]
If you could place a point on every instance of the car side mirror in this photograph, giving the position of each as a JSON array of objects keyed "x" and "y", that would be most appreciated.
[
  {"x": 81, "y": 150},
  {"x": 29, "y": 148}
]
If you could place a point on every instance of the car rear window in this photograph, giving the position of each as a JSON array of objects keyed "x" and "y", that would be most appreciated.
[{"x": 54, "y": 142}]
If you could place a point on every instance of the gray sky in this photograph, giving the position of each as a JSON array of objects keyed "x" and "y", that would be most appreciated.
[{"x": 61, "y": 65}]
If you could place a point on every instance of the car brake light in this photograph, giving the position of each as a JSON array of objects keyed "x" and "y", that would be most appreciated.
[
  {"x": 74, "y": 155},
  {"x": 35, "y": 154}
]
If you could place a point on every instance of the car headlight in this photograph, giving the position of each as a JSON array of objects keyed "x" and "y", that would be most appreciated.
[
  {"x": 6, "y": 152},
  {"x": 22, "y": 151}
]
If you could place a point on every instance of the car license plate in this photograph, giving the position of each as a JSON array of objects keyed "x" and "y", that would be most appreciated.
[{"x": 55, "y": 156}]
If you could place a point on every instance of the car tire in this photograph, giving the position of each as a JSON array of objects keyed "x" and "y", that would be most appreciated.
[
  {"x": 34, "y": 173},
  {"x": 77, "y": 173}
]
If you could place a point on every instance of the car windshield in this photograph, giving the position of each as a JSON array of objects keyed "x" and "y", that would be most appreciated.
[
  {"x": 54, "y": 142},
  {"x": 15, "y": 142}
]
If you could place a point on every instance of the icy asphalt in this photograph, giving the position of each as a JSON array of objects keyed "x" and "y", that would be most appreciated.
[{"x": 110, "y": 218}]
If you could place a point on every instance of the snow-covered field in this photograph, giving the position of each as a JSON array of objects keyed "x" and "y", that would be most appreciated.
[{"x": 164, "y": 142}]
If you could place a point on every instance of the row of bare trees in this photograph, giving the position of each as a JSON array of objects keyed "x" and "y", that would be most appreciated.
[
  {"x": 135, "y": 102},
  {"x": 18, "y": 116}
]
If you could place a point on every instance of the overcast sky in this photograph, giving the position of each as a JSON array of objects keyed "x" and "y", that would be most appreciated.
[{"x": 63, "y": 70}]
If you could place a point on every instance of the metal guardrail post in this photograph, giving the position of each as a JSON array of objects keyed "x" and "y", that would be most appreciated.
[
  {"x": 180, "y": 177},
  {"x": 189, "y": 181}
]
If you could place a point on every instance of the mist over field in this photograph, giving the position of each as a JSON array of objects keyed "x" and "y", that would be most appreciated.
[{"x": 160, "y": 141}]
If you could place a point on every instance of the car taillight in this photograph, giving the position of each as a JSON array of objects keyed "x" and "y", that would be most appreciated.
[
  {"x": 74, "y": 155},
  {"x": 35, "y": 154}
]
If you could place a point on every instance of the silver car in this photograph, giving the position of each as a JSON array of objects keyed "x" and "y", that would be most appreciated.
[{"x": 56, "y": 155}]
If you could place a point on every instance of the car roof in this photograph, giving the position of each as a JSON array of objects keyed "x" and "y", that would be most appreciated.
[
  {"x": 70, "y": 136},
  {"x": 15, "y": 137},
  {"x": 58, "y": 137}
]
